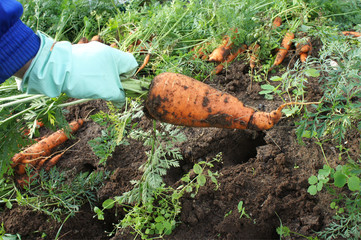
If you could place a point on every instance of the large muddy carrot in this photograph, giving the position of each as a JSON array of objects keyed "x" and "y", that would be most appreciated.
[
  {"x": 285, "y": 47},
  {"x": 35, "y": 152},
  {"x": 181, "y": 100}
]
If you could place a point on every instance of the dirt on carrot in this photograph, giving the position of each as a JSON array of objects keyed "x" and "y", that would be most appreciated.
[{"x": 181, "y": 100}]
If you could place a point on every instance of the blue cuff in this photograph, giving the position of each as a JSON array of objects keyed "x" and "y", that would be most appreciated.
[{"x": 17, "y": 46}]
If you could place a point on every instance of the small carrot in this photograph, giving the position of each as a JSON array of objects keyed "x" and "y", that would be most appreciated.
[
  {"x": 199, "y": 53},
  {"x": 221, "y": 52},
  {"x": 114, "y": 45},
  {"x": 218, "y": 69},
  {"x": 304, "y": 49},
  {"x": 240, "y": 50},
  {"x": 25, "y": 180},
  {"x": 230, "y": 58},
  {"x": 145, "y": 62},
  {"x": 83, "y": 40},
  {"x": 277, "y": 22},
  {"x": 181, "y": 100},
  {"x": 285, "y": 47},
  {"x": 303, "y": 56},
  {"x": 54, "y": 160},
  {"x": 254, "y": 55},
  {"x": 44, "y": 146},
  {"x": 351, "y": 33},
  {"x": 96, "y": 38}
]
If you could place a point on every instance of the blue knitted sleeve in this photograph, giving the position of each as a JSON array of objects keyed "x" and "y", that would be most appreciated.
[
  {"x": 18, "y": 43},
  {"x": 10, "y": 12}
]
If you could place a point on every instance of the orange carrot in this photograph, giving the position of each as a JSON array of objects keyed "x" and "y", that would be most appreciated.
[
  {"x": 83, "y": 40},
  {"x": 351, "y": 33},
  {"x": 41, "y": 162},
  {"x": 181, "y": 100},
  {"x": 54, "y": 160},
  {"x": 145, "y": 62},
  {"x": 25, "y": 180},
  {"x": 230, "y": 58},
  {"x": 254, "y": 55},
  {"x": 277, "y": 22},
  {"x": 220, "y": 53},
  {"x": 199, "y": 53},
  {"x": 303, "y": 56},
  {"x": 304, "y": 49},
  {"x": 96, "y": 38},
  {"x": 218, "y": 69},
  {"x": 43, "y": 148},
  {"x": 285, "y": 47},
  {"x": 114, "y": 45}
]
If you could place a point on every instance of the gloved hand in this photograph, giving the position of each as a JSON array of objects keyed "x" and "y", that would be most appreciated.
[{"x": 93, "y": 70}]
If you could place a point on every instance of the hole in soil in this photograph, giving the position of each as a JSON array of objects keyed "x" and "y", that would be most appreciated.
[
  {"x": 89, "y": 167},
  {"x": 239, "y": 148}
]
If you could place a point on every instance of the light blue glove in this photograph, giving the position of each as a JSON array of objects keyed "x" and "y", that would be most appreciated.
[{"x": 93, "y": 70}]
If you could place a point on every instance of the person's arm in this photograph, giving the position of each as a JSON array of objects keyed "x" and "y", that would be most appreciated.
[
  {"x": 18, "y": 43},
  {"x": 91, "y": 70}
]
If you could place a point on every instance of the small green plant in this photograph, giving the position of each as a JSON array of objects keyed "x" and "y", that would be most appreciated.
[
  {"x": 158, "y": 215},
  {"x": 51, "y": 194},
  {"x": 117, "y": 124},
  {"x": 347, "y": 220},
  {"x": 339, "y": 78},
  {"x": 291, "y": 86},
  {"x": 317, "y": 182},
  {"x": 347, "y": 204},
  {"x": 285, "y": 231},
  {"x": 242, "y": 210},
  {"x": 343, "y": 175}
]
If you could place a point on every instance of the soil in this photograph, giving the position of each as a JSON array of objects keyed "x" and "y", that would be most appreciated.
[{"x": 267, "y": 170}]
